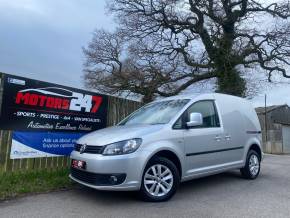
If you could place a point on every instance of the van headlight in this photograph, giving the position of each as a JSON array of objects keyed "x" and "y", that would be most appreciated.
[{"x": 122, "y": 147}]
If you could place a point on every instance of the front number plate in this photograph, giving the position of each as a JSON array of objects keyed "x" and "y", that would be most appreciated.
[{"x": 79, "y": 164}]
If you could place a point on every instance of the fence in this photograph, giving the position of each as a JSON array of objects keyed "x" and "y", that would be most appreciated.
[{"x": 117, "y": 109}]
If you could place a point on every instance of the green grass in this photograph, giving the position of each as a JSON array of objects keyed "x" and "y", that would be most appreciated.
[{"x": 20, "y": 183}]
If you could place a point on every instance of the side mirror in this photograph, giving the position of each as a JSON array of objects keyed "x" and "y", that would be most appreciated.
[{"x": 195, "y": 119}]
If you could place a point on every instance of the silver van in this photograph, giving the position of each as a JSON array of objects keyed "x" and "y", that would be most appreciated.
[{"x": 170, "y": 141}]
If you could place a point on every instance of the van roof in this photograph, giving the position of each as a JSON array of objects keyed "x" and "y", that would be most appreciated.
[{"x": 193, "y": 96}]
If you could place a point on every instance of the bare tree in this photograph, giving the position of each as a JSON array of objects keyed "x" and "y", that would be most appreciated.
[
  {"x": 209, "y": 38},
  {"x": 115, "y": 66}
]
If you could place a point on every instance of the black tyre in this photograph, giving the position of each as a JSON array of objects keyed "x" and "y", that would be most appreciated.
[
  {"x": 252, "y": 167},
  {"x": 160, "y": 180}
]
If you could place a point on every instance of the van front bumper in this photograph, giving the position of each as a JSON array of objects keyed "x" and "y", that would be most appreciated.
[{"x": 120, "y": 172}]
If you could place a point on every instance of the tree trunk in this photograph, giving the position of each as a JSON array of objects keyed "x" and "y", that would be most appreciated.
[
  {"x": 147, "y": 98},
  {"x": 230, "y": 82}
]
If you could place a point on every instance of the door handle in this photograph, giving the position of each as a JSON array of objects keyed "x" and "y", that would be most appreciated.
[
  {"x": 227, "y": 137},
  {"x": 218, "y": 138}
]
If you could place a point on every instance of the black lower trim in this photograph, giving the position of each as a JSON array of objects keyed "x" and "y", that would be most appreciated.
[
  {"x": 215, "y": 151},
  {"x": 253, "y": 132},
  {"x": 98, "y": 179}
]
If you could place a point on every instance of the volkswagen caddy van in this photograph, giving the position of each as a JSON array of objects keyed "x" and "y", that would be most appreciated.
[{"x": 170, "y": 141}]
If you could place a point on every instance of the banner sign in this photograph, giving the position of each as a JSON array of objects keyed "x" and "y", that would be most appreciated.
[
  {"x": 34, "y": 105},
  {"x": 42, "y": 144}
]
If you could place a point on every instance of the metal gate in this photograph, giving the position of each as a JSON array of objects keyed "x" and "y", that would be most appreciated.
[{"x": 286, "y": 139}]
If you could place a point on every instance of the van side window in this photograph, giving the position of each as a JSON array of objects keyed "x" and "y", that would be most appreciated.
[
  {"x": 178, "y": 123},
  {"x": 208, "y": 111}
]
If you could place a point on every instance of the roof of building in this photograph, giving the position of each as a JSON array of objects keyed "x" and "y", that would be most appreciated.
[{"x": 261, "y": 110}]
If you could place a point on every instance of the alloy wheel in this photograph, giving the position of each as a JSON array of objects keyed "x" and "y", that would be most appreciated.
[
  {"x": 254, "y": 165},
  {"x": 158, "y": 180}
]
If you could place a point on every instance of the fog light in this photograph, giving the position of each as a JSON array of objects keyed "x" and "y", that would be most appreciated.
[{"x": 113, "y": 179}]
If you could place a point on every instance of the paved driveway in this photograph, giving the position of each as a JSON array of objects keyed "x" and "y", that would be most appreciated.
[{"x": 224, "y": 195}]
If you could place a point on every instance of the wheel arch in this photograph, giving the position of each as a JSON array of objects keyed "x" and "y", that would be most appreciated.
[
  {"x": 256, "y": 148},
  {"x": 170, "y": 155},
  {"x": 253, "y": 143}
]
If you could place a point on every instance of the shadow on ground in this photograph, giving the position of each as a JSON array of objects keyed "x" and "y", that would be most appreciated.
[{"x": 185, "y": 188}]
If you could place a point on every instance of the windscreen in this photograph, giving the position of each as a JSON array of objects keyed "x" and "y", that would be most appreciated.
[{"x": 156, "y": 113}]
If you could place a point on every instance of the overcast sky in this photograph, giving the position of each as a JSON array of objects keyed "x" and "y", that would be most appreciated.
[{"x": 43, "y": 39}]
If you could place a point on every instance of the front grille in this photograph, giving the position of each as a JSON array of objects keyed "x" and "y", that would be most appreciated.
[
  {"x": 97, "y": 179},
  {"x": 89, "y": 149}
]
